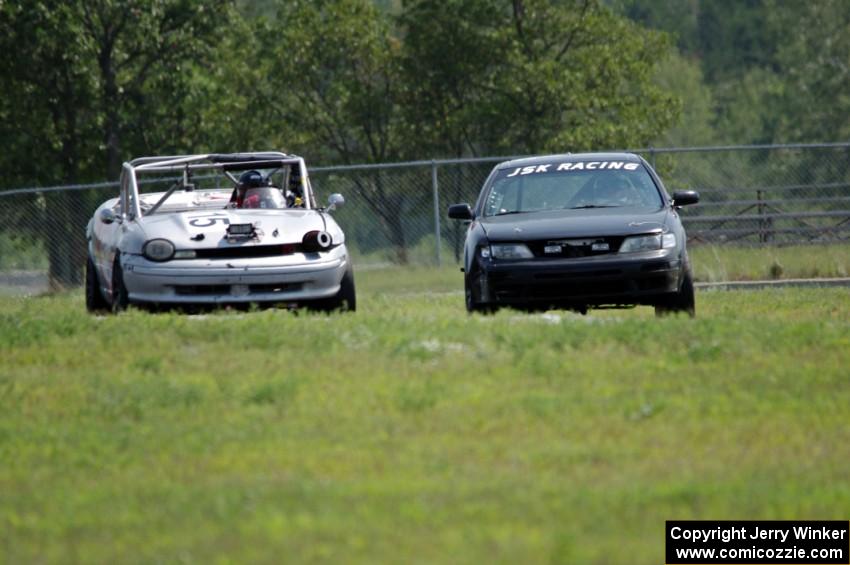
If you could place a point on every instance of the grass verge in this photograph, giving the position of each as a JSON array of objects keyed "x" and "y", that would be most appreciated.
[{"x": 411, "y": 432}]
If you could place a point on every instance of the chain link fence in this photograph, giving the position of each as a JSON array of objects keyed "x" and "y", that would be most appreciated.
[{"x": 395, "y": 213}]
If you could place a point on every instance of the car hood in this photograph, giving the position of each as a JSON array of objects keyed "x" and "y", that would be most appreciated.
[
  {"x": 590, "y": 222},
  {"x": 274, "y": 226}
]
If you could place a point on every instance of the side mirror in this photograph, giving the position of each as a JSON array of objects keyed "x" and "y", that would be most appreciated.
[
  {"x": 335, "y": 200},
  {"x": 107, "y": 216},
  {"x": 685, "y": 197},
  {"x": 460, "y": 212}
]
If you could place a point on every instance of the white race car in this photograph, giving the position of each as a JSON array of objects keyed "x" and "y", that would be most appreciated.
[{"x": 228, "y": 229}]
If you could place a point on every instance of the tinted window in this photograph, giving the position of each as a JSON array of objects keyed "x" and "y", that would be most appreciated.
[{"x": 559, "y": 186}]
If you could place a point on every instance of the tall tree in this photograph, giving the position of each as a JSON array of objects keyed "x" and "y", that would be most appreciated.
[
  {"x": 92, "y": 83},
  {"x": 462, "y": 77},
  {"x": 491, "y": 77},
  {"x": 335, "y": 76},
  {"x": 146, "y": 52},
  {"x": 814, "y": 61},
  {"x": 676, "y": 17},
  {"x": 49, "y": 125},
  {"x": 533, "y": 75}
]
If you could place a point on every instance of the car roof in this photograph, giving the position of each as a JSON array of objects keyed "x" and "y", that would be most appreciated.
[{"x": 569, "y": 158}]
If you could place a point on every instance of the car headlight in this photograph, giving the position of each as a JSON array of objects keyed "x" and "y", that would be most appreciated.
[
  {"x": 511, "y": 251},
  {"x": 648, "y": 243},
  {"x": 158, "y": 250}
]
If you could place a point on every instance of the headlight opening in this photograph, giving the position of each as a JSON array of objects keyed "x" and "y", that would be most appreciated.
[
  {"x": 158, "y": 250},
  {"x": 511, "y": 251},
  {"x": 648, "y": 243}
]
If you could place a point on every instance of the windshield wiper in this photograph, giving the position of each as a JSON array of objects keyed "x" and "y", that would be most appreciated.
[
  {"x": 522, "y": 212},
  {"x": 586, "y": 206}
]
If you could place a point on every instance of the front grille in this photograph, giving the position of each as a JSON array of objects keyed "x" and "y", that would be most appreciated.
[
  {"x": 575, "y": 248},
  {"x": 274, "y": 287},
  {"x": 221, "y": 289},
  {"x": 201, "y": 289},
  {"x": 248, "y": 251},
  {"x": 563, "y": 290},
  {"x": 579, "y": 275}
]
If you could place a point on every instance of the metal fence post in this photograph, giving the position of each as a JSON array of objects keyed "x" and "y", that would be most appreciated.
[{"x": 436, "y": 191}]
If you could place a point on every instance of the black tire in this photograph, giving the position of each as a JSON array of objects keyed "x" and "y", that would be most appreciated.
[
  {"x": 120, "y": 298},
  {"x": 345, "y": 300},
  {"x": 95, "y": 302},
  {"x": 471, "y": 299},
  {"x": 347, "y": 296},
  {"x": 682, "y": 301}
]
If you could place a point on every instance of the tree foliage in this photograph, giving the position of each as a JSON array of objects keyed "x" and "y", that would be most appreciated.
[
  {"x": 93, "y": 83},
  {"x": 345, "y": 79},
  {"x": 531, "y": 76},
  {"x": 335, "y": 82},
  {"x": 96, "y": 82},
  {"x": 814, "y": 65},
  {"x": 115, "y": 78},
  {"x": 459, "y": 77},
  {"x": 335, "y": 78},
  {"x": 776, "y": 69}
]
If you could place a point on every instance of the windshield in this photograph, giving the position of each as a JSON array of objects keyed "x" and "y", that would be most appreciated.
[
  {"x": 209, "y": 186},
  {"x": 264, "y": 197},
  {"x": 562, "y": 186}
]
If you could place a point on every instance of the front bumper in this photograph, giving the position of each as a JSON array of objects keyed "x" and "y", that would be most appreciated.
[
  {"x": 298, "y": 278},
  {"x": 611, "y": 279}
]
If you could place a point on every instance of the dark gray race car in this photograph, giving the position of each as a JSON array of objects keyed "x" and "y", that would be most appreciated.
[{"x": 576, "y": 231}]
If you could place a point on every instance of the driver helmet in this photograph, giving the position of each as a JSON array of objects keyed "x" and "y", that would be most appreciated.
[{"x": 251, "y": 179}]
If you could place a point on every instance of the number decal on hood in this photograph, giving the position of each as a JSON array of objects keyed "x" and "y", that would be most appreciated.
[{"x": 207, "y": 221}]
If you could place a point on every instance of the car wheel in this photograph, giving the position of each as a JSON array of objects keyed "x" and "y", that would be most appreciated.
[
  {"x": 347, "y": 296},
  {"x": 120, "y": 298},
  {"x": 345, "y": 300},
  {"x": 95, "y": 302},
  {"x": 472, "y": 305},
  {"x": 682, "y": 301}
]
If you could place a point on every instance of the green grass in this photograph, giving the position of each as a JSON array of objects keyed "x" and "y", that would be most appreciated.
[
  {"x": 21, "y": 253},
  {"x": 411, "y": 432},
  {"x": 726, "y": 263}
]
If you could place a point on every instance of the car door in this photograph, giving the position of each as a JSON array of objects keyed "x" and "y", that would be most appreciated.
[{"x": 107, "y": 236}]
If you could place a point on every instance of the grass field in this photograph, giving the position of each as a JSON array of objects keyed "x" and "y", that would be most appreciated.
[
  {"x": 410, "y": 432},
  {"x": 725, "y": 263}
]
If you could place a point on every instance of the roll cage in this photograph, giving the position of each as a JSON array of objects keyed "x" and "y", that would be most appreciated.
[{"x": 225, "y": 163}]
